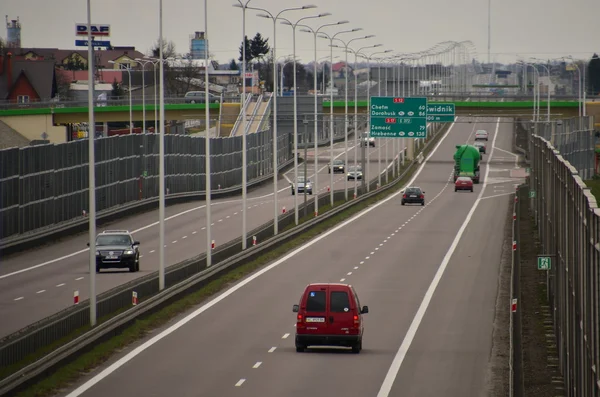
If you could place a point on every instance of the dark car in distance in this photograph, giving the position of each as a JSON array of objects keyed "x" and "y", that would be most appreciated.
[
  {"x": 116, "y": 249},
  {"x": 338, "y": 166},
  {"x": 413, "y": 195}
]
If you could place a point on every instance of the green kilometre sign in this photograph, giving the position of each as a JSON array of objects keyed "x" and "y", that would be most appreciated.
[{"x": 397, "y": 117}]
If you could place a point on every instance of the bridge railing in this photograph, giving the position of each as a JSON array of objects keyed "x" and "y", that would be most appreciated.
[{"x": 136, "y": 101}]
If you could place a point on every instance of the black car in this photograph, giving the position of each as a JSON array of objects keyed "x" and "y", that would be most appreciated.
[
  {"x": 338, "y": 166},
  {"x": 116, "y": 249},
  {"x": 413, "y": 195}
]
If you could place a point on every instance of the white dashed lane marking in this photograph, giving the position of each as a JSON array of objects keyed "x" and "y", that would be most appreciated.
[
  {"x": 79, "y": 278},
  {"x": 240, "y": 382},
  {"x": 19, "y": 298},
  {"x": 41, "y": 291},
  {"x": 285, "y": 336},
  {"x": 258, "y": 364},
  {"x": 60, "y": 285},
  {"x": 271, "y": 350}
]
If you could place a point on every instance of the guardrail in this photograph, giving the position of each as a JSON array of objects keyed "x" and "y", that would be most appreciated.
[
  {"x": 179, "y": 279},
  {"x": 516, "y": 349}
]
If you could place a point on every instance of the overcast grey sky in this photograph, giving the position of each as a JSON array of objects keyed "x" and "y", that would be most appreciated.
[{"x": 539, "y": 28}]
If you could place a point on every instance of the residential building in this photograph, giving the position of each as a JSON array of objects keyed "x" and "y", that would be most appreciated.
[{"x": 23, "y": 81}]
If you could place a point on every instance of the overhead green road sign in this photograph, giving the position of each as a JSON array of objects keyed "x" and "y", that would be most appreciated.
[
  {"x": 396, "y": 117},
  {"x": 441, "y": 112}
]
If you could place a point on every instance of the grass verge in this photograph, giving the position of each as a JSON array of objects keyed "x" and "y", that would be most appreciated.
[
  {"x": 72, "y": 371},
  {"x": 594, "y": 185},
  {"x": 536, "y": 318}
]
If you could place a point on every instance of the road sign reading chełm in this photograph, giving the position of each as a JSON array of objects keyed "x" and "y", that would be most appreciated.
[
  {"x": 441, "y": 112},
  {"x": 544, "y": 263},
  {"x": 396, "y": 117}
]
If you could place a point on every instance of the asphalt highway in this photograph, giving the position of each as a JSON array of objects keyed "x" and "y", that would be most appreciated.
[
  {"x": 40, "y": 282},
  {"x": 428, "y": 274}
]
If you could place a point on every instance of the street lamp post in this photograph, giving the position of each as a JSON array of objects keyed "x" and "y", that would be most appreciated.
[
  {"x": 356, "y": 140},
  {"x": 143, "y": 63},
  {"x": 161, "y": 156},
  {"x": 315, "y": 33},
  {"x": 294, "y": 25},
  {"x": 346, "y": 124},
  {"x": 128, "y": 69},
  {"x": 208, "y": 179},
  {"x": 91, "y": 170},
  {"x": 275, "y": 121},
  {"x": 369, "y": 58},
  {"x": 331, "y": 45},
  {"x": 243, "y": 6},
  {"x": 547, "y": 92},
  {"x": 579, "y": 84}
]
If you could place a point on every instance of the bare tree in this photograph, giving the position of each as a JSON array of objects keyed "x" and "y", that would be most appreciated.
[
  {"x": 168, "y": 49},
  {"x": 183, "y": 77},
  {"x": 63, "y": 83}
]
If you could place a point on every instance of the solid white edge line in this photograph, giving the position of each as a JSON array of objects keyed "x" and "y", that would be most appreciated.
[
  {"x": 497, "y": 195},
  {"x": 390, "y": 377},
  {"x": 128, "y": 357}
]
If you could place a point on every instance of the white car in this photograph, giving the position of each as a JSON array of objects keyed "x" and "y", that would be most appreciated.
[
  {"x": 368, "y": 140},
  {"x": 481, "y": 135}
]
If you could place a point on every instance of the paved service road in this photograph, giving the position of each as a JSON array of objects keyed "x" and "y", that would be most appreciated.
[
  {"x": 242, "y": 343},
  {"x": 34, "y": 294}
]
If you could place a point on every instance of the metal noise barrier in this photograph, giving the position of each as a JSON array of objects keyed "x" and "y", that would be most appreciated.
[
  {"x": 568, "y": 219},
  {"x": 179, "y": 278}
]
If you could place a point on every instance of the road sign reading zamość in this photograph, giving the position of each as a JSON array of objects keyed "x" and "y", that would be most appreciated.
[
  {"x": 544, "y": 263},
  {"x": 395, "y": 117},
  {"x": 441, "y": 112}
]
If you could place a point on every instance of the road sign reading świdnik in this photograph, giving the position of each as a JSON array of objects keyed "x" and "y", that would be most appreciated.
[
  {"x": 395, "y": 117},
  {"x": 441, "y": 112}
]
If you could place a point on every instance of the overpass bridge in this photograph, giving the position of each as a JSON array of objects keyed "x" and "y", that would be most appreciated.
[{"x": 52, "y": 117}]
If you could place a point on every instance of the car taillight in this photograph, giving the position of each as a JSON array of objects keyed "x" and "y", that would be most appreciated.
[
  {"x": 356, "y": 321},
  {"x": 404, "y": 196},
  {"x": 299, "y": 320},
  {"x": 422, "y": 196}
]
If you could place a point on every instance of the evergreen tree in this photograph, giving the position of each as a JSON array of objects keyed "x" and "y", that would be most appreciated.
[
  {"x": 117, "y": 91},
  {"x": 249, "y": 56},
  {"x": 233, "y": 65},
  {"x": 259, "y": 47},
  {"x": 594, "y": 75}
]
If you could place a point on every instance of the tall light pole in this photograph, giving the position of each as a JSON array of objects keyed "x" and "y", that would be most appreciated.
[
  {"x": 243, "y": 6},
  {"x": 121, "y": 66},
  {"x": 274, "y": 18},
  {"x": 331, "y": 39},
  {"x": 345, "y": 47},
  {"x": 489, "y": 30},
  {"x": 356, "y": 114},
  {"x": 154, "y": 63},
  {"x": 369, "y": 58},
  {"x": 143, "y": 63},
  {"x": 548, "y": 92},
  {"x": 208, "y": 178},
  {"x": 91, "y": 168},
  {"x": 294, "y": 25},
  {"x": 579, "y": 84},
  {"x": 161, "y": 155},
  {"x": 315, "y": 33}
]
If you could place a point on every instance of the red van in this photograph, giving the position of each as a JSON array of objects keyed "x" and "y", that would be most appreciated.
[{"x": 329, "y": 315}]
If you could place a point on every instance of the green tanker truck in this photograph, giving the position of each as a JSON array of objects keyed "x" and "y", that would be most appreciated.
[{"x": 466, "y": 162}]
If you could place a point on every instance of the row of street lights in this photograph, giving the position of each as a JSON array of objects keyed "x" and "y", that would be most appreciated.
[{"x": 160, "y": 120}]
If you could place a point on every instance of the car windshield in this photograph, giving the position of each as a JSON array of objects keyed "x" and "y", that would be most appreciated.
[
  {"x": 412, "y": 190},
  {"x": 113, "y": 239},
  {"x": 353, "y": 169},
  {"x": 338, "y": 162},
  {"x": 464, "y": 179},
  {"x": 301, "y": 179}
]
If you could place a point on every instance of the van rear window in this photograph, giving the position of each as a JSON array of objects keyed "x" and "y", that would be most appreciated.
[
  {"x": 316, "y": 301},
  {"x": 339, "y": 301}
]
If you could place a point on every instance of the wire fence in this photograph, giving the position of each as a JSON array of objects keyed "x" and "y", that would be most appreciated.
[{"x": 568, "y": 219}]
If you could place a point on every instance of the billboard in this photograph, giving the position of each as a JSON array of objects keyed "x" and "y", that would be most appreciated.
[{"x": 97, "y": 30}]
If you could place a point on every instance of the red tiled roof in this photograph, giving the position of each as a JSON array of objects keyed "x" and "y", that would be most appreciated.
[
  {"x": 106, "y": 76},
  {"x": 59, "y": 55}
]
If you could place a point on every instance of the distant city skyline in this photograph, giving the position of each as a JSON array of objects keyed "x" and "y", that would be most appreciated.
[{"x": 531, "y": 29}]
